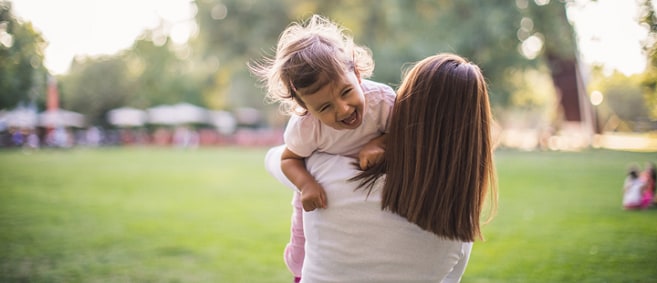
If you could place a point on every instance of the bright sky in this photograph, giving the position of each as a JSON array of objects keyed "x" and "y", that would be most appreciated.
[
  {"x": 609, "y": 34},
  {"x": 607, "y": 29},
  {"x": 96, "y": 27}
]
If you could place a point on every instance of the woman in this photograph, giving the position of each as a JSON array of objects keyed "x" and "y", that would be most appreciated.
[{"x": 412, "y": 218}]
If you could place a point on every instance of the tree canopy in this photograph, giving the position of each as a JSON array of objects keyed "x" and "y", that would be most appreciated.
[
  {"x": 515, "y": 43},
  {"x": 22, "y": 74}
]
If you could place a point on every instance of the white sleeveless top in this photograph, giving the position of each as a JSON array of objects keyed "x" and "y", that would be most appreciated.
[{"x": 353, "y": 240}]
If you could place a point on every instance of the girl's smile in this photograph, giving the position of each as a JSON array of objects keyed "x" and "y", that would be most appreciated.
[{"x": 352, "y": 119}]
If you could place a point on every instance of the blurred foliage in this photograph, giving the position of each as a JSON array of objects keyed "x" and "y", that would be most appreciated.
[
  {"x": 533, "y": 99},
  {"x": 623, "y": 106},
  {"x": 95, "y": 86},
  {"x": 648, "y": 19},
  {"x": 483, "y": 31},
  {"x": 516, "y": 44},
  {"x": 162, "y": 76},
  {"x": 22, "y": 74},
  {"x": 149, "y": 73},
  {"x": 550, "y": 24}
]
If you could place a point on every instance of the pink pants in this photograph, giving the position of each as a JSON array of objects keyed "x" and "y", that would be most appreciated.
[{"x": 295, "y": 249}]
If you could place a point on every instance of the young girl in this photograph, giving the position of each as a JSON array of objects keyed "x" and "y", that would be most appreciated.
[
  {"x": 632, "y": 189},
  {"x": 318, "y": 76}
]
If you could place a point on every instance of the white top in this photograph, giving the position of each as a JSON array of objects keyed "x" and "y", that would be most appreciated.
[
  {"x": 307, "y": 134},
  {"x": 632, "y": 191},
  {"x": 353, "y": 240}
]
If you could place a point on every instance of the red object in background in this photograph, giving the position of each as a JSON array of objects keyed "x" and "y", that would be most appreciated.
[{"x": 52, "y": 99}]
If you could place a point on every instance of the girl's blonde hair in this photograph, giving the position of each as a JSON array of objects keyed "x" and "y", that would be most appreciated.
[
  {"x": 439, "y": 154},
  {"x": 305, "y": 51}
]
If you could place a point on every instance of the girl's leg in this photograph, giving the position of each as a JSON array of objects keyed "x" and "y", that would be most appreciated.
[{"x": 295, "y": 249}]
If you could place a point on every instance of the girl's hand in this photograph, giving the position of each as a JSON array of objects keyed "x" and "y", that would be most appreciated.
[
  {"x": 370, "y": 156},
  {"x": 372, "y": 153},
  {"x": 312, "y": 197}
]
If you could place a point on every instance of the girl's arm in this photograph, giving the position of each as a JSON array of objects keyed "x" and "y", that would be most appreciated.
[{"x": 294, "y": 168}]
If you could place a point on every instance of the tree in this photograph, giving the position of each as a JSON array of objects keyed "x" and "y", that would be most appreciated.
[
  {"x": 482, "y": 31},
  {"x": 398, "y": 32},
  {"x": 559, "y": 50},
  {"x": 232, "y": 32},
  {"x": 159, "y": 74},
  {"x": 96, "y": 85},
  {"x": 147, "y": 74},
  {"x": 498, "y": 35},
  {"x": 623, "y": 100},
  {"x": 22, "y": 74},
  {"x": 649, "y": 20}
]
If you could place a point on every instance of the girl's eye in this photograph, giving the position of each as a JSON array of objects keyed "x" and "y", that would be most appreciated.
[
  {"x": 323, "y": 108},
  {"x": 346, "y": 92}
]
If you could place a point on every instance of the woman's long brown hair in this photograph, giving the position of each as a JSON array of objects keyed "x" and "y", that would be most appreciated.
[{"x": 438, "y": 159}]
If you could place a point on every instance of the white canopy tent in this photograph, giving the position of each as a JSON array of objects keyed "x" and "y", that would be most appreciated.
[
  {"x": 224, "y": 121},
  {"x": 248, "y": 116},
  {"x": 182, "y": 113},
  {"x": 127, "y": 117},
  {"x": 21, "y": 117},
  {"x": 61, "y": 118}
]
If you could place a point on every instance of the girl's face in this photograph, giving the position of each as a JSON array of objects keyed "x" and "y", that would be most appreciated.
[{"x": 339, "y": 104}]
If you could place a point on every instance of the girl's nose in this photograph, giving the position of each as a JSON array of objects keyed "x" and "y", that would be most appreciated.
[{"x": 343, "y": 109}]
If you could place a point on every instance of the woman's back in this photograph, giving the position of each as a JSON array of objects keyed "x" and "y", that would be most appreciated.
[{"x": 353, "y": 240}]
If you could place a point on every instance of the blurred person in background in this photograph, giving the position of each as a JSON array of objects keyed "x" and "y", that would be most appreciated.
[
  {"x": 647, "y": 177},
  {"x": 632, "y": 189}
]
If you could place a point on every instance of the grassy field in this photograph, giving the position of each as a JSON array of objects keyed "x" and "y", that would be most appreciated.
[{"x": 215, "y": 215}]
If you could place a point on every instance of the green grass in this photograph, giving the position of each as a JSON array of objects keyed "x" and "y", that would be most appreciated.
[
  {"x": 560, "y": 220},
  {"x": 215, "y": 215},
  {"x": 141, "y": 215}
]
